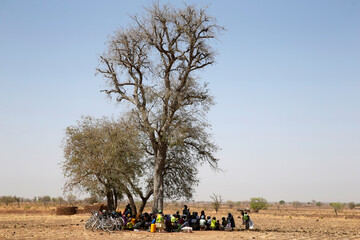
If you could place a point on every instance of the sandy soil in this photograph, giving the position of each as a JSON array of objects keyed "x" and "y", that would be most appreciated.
[{"x": 269, "y": 224}]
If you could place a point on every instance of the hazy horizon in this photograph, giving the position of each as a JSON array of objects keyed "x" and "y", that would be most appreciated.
[{"x": 286, "y": 83}]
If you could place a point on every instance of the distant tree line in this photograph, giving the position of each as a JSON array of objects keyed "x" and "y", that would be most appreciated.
[
  {"x": 255, "y": 204},
  {"x": 47, "y": 200}
]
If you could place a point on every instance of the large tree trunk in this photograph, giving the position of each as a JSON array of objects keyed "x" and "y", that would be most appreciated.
[
  {"x": 110, "y": 200},
  {"x": 159, "y": 181},
  {"x": 144, "y": 201},
  {"x": 143, "y": 204},
  {"x": 131, "y": 202},
  {"x": 115, "y": 199}
]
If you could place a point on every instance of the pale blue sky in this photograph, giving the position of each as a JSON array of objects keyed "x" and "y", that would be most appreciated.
[{"x": 286, "y": 83}]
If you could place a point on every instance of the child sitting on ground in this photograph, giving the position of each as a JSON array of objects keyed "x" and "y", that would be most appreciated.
[
  {"x": 202, "y": 223},
  {"x": 213, "y": 223},
  {"x": 223, "y": 223},
  {"x": 217, "y": 225}
]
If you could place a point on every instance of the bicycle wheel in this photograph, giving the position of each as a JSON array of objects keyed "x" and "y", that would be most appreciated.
[
  {"x": 107, "y": 225},
  {"x": 89, "y": 223},
  {"x": 96, "y": 225},
  {"x": 119, "y": 223}
]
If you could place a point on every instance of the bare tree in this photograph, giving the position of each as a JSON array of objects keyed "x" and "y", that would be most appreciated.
[
  {"x": 216, "y": 201},
  {"x": 151, "y": 65}
]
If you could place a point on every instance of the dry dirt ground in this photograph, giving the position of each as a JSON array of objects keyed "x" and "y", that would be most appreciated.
[{"x": 286, "y": 223}]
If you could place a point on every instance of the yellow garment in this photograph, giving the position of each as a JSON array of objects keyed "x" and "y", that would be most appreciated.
[
  {"x": 159, "y": 218},
  {"x": 213, "y": 224},
  {"x": 173, "y": 220},
  {"x": 129, "y": 225}
]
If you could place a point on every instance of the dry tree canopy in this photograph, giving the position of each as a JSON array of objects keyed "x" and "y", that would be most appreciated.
[
  {"x": 151, "y": 65},
  {"x": 154, "y": 59}
]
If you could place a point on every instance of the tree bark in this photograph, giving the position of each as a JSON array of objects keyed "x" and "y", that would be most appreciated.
[
  {"x": 159, "y": 180},
  {"x": 144, "y": 201},
  {"x": 131, "y": 202},
  {"x": 115, "y": 199},
  {"x": 143, "y": 204},
  {"x": 110, "y": 200}
]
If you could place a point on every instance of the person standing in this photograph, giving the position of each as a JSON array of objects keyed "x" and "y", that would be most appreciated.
[
  {"x": 246, "y": 220},
  {"x": 186, "y": 211},
  {"x": 203, "y": 214},
  {"x": 231, "y": 221}
]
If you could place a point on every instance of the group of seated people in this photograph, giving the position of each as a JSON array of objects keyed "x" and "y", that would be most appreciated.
[{"x": 176, "y": 222}]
